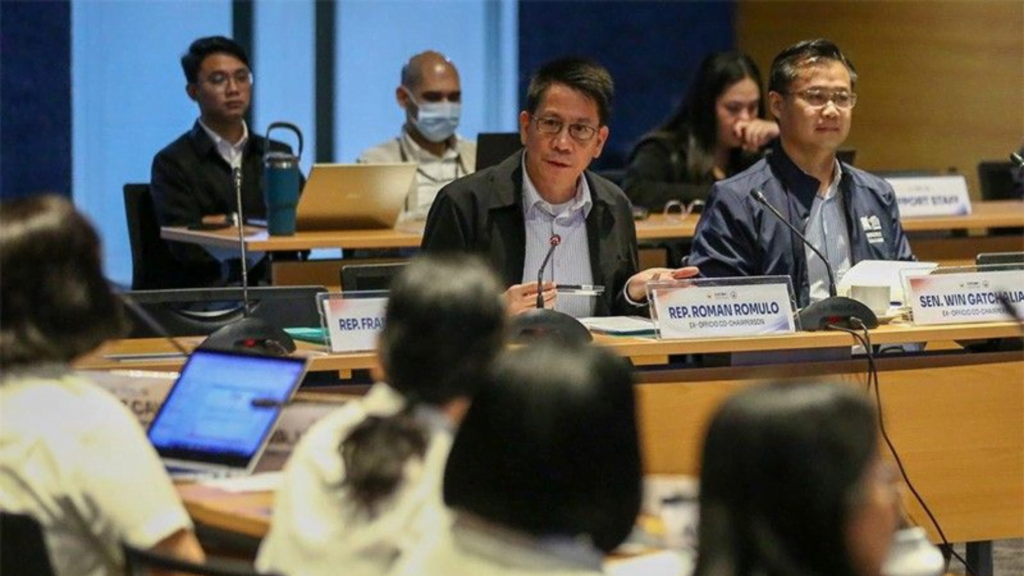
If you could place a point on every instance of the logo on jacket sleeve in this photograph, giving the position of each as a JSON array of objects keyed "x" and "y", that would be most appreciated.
[{"x": 872, "y": 227}]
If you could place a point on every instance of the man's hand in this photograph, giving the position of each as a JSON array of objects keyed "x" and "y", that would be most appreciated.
[
  {"x": 523, "y": 297},
  {"x": 755, "y": 133},
  {"x": 637, "y": 285}
]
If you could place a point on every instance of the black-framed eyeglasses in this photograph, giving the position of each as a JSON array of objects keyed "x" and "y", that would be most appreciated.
[
  {"x": 818, "y": 98},
  {"x": 551, "y": 126},
  {"x": 220, "y": 79}
]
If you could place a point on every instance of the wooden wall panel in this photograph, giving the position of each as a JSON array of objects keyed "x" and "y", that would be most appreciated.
[{"x": 941, "y": 82}]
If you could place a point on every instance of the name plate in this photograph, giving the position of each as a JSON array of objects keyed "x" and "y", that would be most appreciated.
[
  {"x": 931, "y": 196},
  {"x": 141, "y": 392},
  {"x": 695, "y": 309},
  {"x": 295, "y": 419},
  {"x": 353, "y": 322},
  {"x": 961, "y": 298}
]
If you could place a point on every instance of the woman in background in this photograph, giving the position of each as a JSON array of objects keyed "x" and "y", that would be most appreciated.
[
  {"x": 717, "y": 131},
  {"x": 792, "y": 483},
  {"x": 544, "y": 476},
  {"x": 364, "y": 483},
  {"x": 71, "y": 455}
]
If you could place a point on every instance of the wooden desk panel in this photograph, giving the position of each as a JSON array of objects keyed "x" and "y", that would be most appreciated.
[{"x": 955, "y": 420}]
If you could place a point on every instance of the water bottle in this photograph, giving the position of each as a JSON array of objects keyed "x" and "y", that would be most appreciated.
[{"x": 281, "y": 184}]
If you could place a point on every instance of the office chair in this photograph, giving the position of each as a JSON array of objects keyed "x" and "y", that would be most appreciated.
[
  {"x": 369, "y": 276},
  {"x": 22, "y": 547},
  {"x": 139, "y": 562},
  {"x": 996, "y": 179},
  {"x": 201, "y": 311},
  {"x": 153, "y": 266}
]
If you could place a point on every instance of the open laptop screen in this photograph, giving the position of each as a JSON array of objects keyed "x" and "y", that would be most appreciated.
[{"x": 223, "y": 407}]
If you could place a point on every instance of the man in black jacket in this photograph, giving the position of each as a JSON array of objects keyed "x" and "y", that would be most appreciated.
[
  {"x": 512, "y": 212},
  {"x": 191, "y": 178}
]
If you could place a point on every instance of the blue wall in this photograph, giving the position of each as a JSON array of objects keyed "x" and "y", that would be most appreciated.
[{"x": 35, "y": 90}]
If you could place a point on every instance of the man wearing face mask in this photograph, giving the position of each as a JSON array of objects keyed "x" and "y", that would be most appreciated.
[{"x": 431, "y": 96}]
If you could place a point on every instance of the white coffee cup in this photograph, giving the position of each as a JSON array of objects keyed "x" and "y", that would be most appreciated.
[{"x": 874, "y": 297}]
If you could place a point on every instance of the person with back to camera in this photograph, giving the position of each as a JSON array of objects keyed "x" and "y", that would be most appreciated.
[
  {"x": 715, "y": 132},
  {"x": 364, "y": 483},
  {"x": 72, "y": 456},
  {"x": 544, "y": 476},
  {"x": 792, "y": 483}
]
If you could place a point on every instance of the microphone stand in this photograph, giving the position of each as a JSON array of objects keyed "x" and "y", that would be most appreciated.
[
  {"x": 832, "y": 311},
  {"x": 544, "y": 322},
  {"x": 248, "y": 333},
  {"x": 236, "y": 177}
]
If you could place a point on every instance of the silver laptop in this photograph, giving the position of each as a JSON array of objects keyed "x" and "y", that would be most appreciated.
[
  {"x": 354, "y": 196},
  {"x": 220, "y": 413}
]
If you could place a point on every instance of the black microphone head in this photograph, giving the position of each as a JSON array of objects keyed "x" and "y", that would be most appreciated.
[
  {"x": 556, "y": 239},
  {"x": 758, "y": 195}
]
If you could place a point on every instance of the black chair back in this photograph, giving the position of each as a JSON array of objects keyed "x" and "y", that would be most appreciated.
[
  {"x": 369, "y": 276},
  {"x": 996, "y": 180},
  {"x": 201, "y": 311},
  {"x": 153, "y": 266},
  {"x": 22, "y": 547}
]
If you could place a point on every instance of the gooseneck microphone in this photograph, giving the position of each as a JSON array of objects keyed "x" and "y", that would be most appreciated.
[
  {"x": 236, "y": 178},
  {"x": 555, "y": 241},
  {"x": 834, "y": 310}
]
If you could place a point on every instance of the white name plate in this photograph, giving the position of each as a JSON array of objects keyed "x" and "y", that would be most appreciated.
[
  {"x": 931, "y": 196},
  {"x": 353, "y": 322},
  {"x": 692, "y": 310},
  {"x": 142, "y": 392},
  {"x": 965, "y": 298}
]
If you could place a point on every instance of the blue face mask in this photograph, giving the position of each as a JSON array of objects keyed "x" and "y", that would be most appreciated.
[{"x": 437, "y": 121}]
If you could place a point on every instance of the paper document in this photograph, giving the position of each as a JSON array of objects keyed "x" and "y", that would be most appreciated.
[
  {"x": 881, "y": 273},
  {"x": 621, "y": 325}
]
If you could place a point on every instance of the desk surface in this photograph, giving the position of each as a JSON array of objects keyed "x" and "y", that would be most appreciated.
[
  {"x": 152, "y": 353},
  {"x": 1001, "y": 214}
]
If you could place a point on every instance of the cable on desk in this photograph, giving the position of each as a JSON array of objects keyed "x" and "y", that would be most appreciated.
[{"x": 864, "y": 339}]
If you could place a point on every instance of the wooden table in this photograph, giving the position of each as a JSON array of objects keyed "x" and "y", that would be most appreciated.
[{"x": 956, "y": 418}]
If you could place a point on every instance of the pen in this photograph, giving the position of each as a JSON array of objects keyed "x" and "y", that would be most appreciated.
[{"x": 579, "y": 288}]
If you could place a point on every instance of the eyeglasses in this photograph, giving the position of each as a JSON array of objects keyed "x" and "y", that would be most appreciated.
[
  {"x": 820, "y": 98},
  {"x": 219, "y": 80},
  {"x": 552, "y": 126}
]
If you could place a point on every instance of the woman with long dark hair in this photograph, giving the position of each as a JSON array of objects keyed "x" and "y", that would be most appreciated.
[
  {"x": 364, "y": 483},
  {"x": 544, "y": 477},
  {"x": 715, "y": 132},
  {"x": 792, "y": 484}
]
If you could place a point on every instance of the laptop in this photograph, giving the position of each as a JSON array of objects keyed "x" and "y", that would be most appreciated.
[
  {"x": 354, "y": 196},
  {"x": 221, "y": 411},
  {"x": 493, "y": 147}
]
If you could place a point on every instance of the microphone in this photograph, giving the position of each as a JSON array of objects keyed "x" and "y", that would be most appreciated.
[
  {"x": 834, "y": 310},
  {"x": 1017, "y": 159},
  {"x": 555, "y": 241}
]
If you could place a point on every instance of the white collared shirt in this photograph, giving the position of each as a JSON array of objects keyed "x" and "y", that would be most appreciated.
[
  {"x": 231, "y": 153},
  {"x": 570, "y": 263},
  {"x": 432, "y": 174},
  {"x": 826, "y": 230}
]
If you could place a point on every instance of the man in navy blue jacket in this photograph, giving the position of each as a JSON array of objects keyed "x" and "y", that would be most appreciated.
[{"x": 846, "y": 213}]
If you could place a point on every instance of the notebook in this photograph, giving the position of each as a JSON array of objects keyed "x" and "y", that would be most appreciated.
[
  {"x": 354, "y": 196},
  {"x": 220, "y": 412}
]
